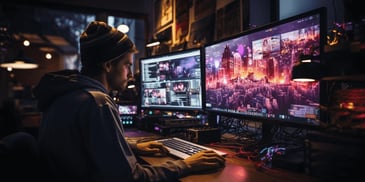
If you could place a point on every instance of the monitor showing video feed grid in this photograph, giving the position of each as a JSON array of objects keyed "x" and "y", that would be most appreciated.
[{"x": 172, "y": 81}]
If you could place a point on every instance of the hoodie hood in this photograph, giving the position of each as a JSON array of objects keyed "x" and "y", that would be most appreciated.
[{"x": 56, "y": 84}]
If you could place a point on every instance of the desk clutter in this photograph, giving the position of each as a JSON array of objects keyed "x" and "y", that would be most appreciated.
[{"x": 288, "y": 148}]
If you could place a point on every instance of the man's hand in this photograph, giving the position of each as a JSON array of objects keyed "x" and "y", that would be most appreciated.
[
  {"x": 151, "y": 148},
  {"x": 205, "y": 160}
]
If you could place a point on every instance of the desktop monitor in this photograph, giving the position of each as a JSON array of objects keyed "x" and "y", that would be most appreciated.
[
  {"x": 249, "y": 75},
  {"x": 172, "y": 81},
  {"x": 127, "y": 112}
]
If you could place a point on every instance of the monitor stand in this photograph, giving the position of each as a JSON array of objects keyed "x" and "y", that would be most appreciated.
[{"x": 266, "y": 133}]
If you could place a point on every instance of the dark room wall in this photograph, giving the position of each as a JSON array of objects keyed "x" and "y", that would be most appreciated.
[{"x": 335, "y": 8}]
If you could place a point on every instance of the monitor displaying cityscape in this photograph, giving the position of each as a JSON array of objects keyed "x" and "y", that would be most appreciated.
[
  {"x": 172, "y": 81},
  {"x": 249, "y": 75}
]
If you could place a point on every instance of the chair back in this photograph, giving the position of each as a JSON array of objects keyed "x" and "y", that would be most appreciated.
[{"x": 19, "y": 156}]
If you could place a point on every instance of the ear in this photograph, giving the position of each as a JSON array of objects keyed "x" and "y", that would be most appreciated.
[{"x": 107, "y": 66}]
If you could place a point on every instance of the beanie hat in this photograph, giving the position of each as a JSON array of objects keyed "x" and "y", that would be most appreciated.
[{"x": 101, "y": 43}]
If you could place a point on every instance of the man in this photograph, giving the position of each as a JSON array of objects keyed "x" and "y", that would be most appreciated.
[{"x": 81, "y": 138}]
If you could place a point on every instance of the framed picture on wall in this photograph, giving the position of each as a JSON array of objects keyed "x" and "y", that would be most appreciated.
[
  {"x": 165, "y": 38},
  {"x": 202, "y": 31},
  {"x": 181, "y": 21},
  {"x": 228, "y": 20},
  {"x": 203, "y": 8},
  {"x": 163, "y": 13},
  {"x": 181, "y": 27}
]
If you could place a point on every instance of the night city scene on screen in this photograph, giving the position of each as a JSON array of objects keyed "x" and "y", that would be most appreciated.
[{"x": 250, "y": 74}]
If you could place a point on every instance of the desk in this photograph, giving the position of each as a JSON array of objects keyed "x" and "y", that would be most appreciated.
[{"x": 236, "y": 170}]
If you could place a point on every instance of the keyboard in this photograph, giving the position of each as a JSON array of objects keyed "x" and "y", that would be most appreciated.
[{"x": 183, "y": 149}]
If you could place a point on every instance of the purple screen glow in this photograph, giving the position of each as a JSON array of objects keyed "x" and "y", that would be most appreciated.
[{"x": 250, "y": 75}]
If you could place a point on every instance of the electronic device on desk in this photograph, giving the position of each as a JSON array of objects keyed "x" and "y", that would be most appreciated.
[
  {"x": 249, "y": 75},
  {"x": 183, "y": 149},
  {"x": 203, "y": 134},
  {"x": 178, "y": 122},
  {"x": 128, "y": 113},
  {"x": 149, "y": 117},
  {"x": 166, "y": 126}
]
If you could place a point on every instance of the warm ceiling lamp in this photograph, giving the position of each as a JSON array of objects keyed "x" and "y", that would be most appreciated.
[
  {"x": 123, "y": 28},
  {"x": 153, "y": 43},
  {"x": 20, "y": 62},
  {"x": 308, "y": 69},
  {"x": 48, "y": 52},
  {"x": 131, "y": 83}
]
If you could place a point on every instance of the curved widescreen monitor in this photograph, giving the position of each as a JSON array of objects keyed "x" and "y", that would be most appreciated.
[
  {"x": 249, "y": 75},
  {"x": 172, "y": 81}
]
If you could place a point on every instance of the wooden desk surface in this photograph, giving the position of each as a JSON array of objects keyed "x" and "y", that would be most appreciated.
[{"x": 236, "y": 170}]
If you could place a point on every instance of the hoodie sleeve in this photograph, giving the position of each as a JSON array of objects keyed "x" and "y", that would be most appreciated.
[{"x": 109, "y": 151}]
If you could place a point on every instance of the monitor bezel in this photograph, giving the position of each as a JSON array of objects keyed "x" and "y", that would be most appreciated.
[{"x": 323, "y": 116}]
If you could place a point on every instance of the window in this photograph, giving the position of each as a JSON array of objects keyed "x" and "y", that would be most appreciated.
[{"x": 57, "y": 30}]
